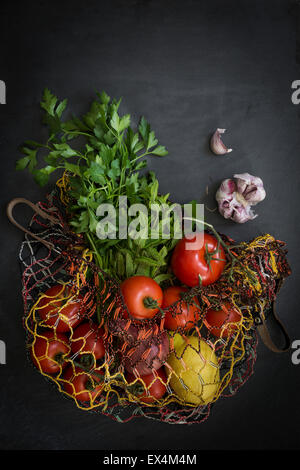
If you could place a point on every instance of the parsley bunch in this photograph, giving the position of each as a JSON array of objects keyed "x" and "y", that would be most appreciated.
[{"x": 103, "y": 157}]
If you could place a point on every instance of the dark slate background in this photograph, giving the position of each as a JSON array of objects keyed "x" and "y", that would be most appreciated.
[{"x": 189, "y": 67}]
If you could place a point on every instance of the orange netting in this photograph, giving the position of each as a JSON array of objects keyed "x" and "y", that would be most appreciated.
[{"x": 82, "y": 337}]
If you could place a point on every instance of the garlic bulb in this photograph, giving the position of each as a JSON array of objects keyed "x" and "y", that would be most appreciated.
[
  {"x": 236, "y": 196},
  {"x": 216, "y": 144}
]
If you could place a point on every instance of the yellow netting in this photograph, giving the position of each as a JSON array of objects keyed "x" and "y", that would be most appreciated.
[
  {"x": 63, "y": 186},
  {"x": 194, "y": 372},
  {"x": 117, "y": 361}
]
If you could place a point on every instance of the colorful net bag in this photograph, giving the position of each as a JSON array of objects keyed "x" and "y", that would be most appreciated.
[{"x": 81, "y": 336}]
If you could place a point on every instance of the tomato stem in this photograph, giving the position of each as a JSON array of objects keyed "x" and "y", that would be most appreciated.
[
  {"x": 135, "y": 388},
  {"x": 88, "y": 370},
  {"x": 151, "y": 303},
  {"x": 87, "y": 360},
  {"x": 59, "y": 358},
  {"x": 89, "y": 385}
]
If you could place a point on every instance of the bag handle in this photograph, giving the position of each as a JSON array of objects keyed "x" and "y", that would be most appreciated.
[
  {"x": 264, "y": 332},
  {"x": 19, "y": 200}
]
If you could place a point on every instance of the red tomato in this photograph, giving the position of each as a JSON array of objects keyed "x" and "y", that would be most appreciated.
[
  {"x": 216, "y": 320},
  {"x": 82, "y": 385},
  {"x": 183, "y": 315},
  {"x": 49, "y": 350},
  {"x": 208, "y": 261},
  {"x": 52, "y": 312},
  {"x": 155, "y": 388},
  {"x": 87, "y": 338},
  {"x": 142, "y": 296}
]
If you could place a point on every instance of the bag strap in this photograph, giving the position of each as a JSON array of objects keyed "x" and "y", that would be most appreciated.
[
  {"x": 19, "y": 200},
  {"x": 264, "y": 332}
]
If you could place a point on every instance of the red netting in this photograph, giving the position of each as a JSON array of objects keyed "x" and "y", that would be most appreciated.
[{"x": 82, "y": 338}]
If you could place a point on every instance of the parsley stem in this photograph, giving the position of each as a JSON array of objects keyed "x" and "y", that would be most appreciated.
[
  {"x": 92, "y": 243},
  {"x": 140, "y": 156},
  {"x": 78, "y": 133}
]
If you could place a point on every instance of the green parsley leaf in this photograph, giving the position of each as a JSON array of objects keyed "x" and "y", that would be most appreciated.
[
  {"x": 160, "y": 151},
  {"x": 48, "y": 102}
]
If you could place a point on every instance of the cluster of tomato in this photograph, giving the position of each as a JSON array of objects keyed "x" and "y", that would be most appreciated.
[
  {"x": 144, "y": 298},
  {"x": 199, "y": 259},
  {"x": 68, "y": 334}
]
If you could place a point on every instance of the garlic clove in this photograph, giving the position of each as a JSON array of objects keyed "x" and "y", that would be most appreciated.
[
  {"x": 243, "y": 214},
  {"x": 242, "y": 181},
  {"x": 251, "y": 187},
  {"x": 226, "y": 209},
  {"x": 226, "y": 189},
  {"x": 217, "y": 146}
]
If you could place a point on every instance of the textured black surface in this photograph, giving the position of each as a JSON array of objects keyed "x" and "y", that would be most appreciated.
[{"x": 189, "y": 67}]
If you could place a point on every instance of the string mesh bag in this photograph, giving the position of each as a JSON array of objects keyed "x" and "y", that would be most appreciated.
[{"x": 82, "y": 338}]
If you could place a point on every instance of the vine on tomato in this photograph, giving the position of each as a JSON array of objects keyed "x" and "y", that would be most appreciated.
[
  {"x": 49, "y": 351},
  {"x": 53, "y": 313},
  {"x": 223, "y": 322},
  {"x": 205, "y": 263},
  {"x": 142, "y": 296},
  {"x": 182, "y": 315}
]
